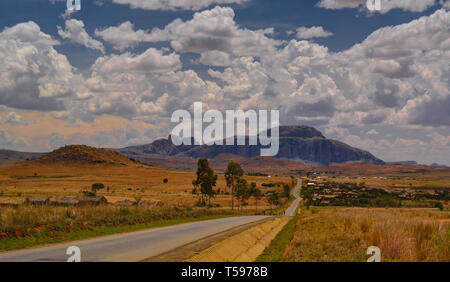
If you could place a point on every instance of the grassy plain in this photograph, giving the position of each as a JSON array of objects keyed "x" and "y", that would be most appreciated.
[
  {"x": 343, "y": 235},
  {"x": 26, "y": 226},
  {"x": 127, "y": 182}
]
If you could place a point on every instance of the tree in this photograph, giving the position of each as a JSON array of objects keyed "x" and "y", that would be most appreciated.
[
  {"x": 242, "y": 191},
  {"x": 287, "y": 191},
  {"x": 97, "y": 186},
  {"x": 273, "y": 199},
  {"x": 206, "y": 180},
  {"x": 256, "y": 194},
  {"x": 307, "y": 193},
  {"x": 165, "y": 180},
  {"x": 439, "y": 205},
  {"x": 233, "y": 173}
]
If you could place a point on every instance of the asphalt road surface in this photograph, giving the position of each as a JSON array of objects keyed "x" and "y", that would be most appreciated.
[
  {"x": 136, "y": 246},
  {"x": 293, "y": 207}
]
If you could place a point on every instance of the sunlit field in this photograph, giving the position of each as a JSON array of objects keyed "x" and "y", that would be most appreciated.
[
  {"x": 344, "y": 234},
  {"x": 144, "y": 182}
]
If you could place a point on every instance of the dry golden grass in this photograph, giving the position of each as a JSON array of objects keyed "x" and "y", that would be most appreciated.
[
  {"x": 344, "y": 234},
  {"x": 122, "y": 182},
  {"x": 28, "y": 226},
  {"x": 396, "y": 181}
]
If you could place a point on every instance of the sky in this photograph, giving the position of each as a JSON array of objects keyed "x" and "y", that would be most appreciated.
[{"x": 112, "y": 74}]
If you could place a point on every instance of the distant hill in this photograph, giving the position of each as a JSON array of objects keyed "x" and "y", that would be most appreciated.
[
  {"x": 81, "y": 155},
  {"x": 299, "y": 146},
  {"x": 377, "y": 170},
  {"x": 403, "y": 163},
  {"x": 219, "y": 163},
  {"x": 438, "y": 165},
  {"x": 8, "y": 157},
  {"x": 299, "y": 143}
]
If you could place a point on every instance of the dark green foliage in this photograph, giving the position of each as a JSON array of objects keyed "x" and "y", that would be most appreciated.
[
  {"x": 233, "y": 174},
  {"x": 206, "y": 180},
  {"x": 97, "y": 186}
]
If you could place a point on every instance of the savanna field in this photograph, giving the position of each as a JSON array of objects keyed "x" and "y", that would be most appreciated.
[
  {"x": 23, "y": 225},
  {"x": 415, "y": 230},
  {"x": 330, "y": 234}
]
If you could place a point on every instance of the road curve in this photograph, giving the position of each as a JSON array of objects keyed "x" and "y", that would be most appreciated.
[
  {"x": 138, "y": 246},
  {"x": 293, "y": 207},
  {"x": 130, "y": 247}
]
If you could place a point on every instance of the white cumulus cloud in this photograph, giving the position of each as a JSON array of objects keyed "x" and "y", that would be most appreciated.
[
  {"x": 176, "y": 4},
  {"x": 312, "y": 32},
  {"x": 76, "y": 33},
  {"x": 386, "y": 5}
]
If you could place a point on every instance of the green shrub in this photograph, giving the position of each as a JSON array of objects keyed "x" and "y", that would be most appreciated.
[
  {"x": 97, "y": 186},
  {"x": 439, "y": 206},
  {"x": 124, "y": 211},
  {"x": 88, "y": 193}
]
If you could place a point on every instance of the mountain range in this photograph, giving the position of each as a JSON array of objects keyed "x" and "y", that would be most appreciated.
[
  {"x": 302, "y": 144},
  {"x": 299, "y": 146}
]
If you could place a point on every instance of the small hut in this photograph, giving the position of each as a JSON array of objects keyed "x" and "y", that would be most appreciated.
[
  {"x": 64, "y": 201},
  {"x": 92, "y": 201},
  {"x": 124, "y": 203},
  {"x": 37, "y": 201}
]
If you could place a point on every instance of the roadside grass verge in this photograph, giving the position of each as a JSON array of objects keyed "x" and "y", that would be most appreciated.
[
  {"x": 275, "y": 250},
  {"x": 27, "y": 226},
  {"x": 344, "y": 234},
  {"x": 63, "y": 237}
]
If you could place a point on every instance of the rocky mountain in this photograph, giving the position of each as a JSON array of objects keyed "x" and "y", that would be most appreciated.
[
  {"x": 302, "y": 144},
  {"x": 299, "y": 143}
]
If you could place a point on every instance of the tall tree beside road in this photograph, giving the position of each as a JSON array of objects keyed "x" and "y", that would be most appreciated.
[
  {"x": 233, "y": 173},
  {"x": 206, "y": 179}
]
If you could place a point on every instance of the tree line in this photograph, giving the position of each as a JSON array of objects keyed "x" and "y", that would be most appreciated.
[{"x": 206, "y": 181}]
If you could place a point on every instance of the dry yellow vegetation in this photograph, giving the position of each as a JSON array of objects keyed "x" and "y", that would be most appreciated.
[
  {"x": 243, "y": 247},
  {"x": 122, "y": 182},
  {"x": 344, "y": 234}
]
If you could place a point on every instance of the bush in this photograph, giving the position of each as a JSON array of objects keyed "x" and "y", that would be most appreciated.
[
  {"x": 124, "y": 212},
  {"x": 385, "y": 201},
  {"x": 97, "y": 186},
  {"x": 88, "y": 194},
  {"x": 439, "y": 206},
  {"x": 200, "y": 203}
]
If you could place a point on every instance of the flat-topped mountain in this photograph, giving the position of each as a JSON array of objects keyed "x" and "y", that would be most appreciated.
[{"x": 300, "y": 143}]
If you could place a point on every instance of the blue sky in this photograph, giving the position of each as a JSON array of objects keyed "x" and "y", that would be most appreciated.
[
  {"x": 111, "y": 74},
  {"x": 348, "y": 26}
]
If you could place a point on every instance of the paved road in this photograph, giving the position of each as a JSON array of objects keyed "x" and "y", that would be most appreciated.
[
  {"x": 139, "y": 245},
  {"x": 131, "y": 247},
  {"x": 293, "y": 208}
]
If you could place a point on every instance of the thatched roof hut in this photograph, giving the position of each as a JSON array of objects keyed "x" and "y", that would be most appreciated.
[
  {"x": 93, "y": 201},
  {"x": 146, "y": 204},
  {"x": 124, "y": 203},
  {"x": 64, "y": 201},
  {"x": 37, "y": 201}
]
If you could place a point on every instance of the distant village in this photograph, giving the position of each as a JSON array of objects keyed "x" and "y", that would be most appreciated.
[{"x": 320, "y": 191}]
